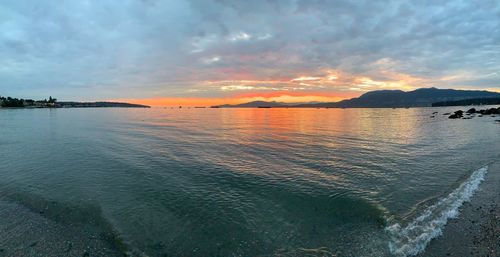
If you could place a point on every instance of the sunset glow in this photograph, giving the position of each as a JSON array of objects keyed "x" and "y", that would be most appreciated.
[
  {"x": 237, "y": 99},
  {"x": 324, "y": 85}
]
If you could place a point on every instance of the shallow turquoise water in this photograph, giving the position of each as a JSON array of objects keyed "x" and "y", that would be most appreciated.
[{"x": 240, "y": 182}]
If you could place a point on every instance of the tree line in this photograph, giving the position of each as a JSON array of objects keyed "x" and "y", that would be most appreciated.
[
  {"x": 19, "y": 102},
  {"x": 472, "y": 101}
]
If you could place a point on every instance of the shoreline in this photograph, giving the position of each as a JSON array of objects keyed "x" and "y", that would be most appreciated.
[
  {"x": 25, "y": 232},
  {"x": 476, "y": 230}
]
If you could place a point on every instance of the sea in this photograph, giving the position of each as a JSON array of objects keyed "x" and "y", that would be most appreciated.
[{"x": 244, "y": 182}]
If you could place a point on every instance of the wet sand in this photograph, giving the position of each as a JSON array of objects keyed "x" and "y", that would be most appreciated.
[
  {"x": 476, "y": 231},
  {"x": 24, "y": 232}
]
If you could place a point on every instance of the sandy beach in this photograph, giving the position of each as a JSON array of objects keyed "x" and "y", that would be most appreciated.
[{"x": 476, "y": 231}]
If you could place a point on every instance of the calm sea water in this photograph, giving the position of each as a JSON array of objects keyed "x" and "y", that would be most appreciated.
[{"x": 246, "y": 182}]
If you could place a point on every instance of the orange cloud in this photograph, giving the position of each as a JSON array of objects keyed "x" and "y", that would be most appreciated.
[{"x": 322, "y": 80}]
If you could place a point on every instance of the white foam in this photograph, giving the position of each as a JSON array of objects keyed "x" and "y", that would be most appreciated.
[{"x": 412, "y": 239}]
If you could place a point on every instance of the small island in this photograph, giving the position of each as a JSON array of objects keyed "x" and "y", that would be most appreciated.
[{"x": 10, "y": 102}]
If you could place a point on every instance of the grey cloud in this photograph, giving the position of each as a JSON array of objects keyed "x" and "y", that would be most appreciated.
[{"x": 160, "y": 48}]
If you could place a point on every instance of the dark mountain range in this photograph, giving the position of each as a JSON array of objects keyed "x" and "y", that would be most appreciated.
[
  {"x": 388, "y": 99},
  {"x": 417, "y": 98}
]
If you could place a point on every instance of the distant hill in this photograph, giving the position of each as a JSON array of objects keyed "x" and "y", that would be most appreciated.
[
  {"x": 10, "y": 102},
  {"x": 99, "y": 105},
  {"x": 255, "y": 104},
  {"x": 422, "y": 97}
]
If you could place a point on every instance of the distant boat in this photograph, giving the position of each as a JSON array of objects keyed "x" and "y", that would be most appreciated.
[
  {"x": 199, "y": 107},
  {"x": 263, "y": 106},
  {"x": 215, "y": 106}
]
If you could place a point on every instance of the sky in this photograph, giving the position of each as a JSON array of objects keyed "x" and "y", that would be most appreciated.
[{"x": 217, "y": 51}]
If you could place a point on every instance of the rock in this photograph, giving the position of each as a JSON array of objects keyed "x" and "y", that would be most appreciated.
[
  {"x": 490, "y": 111},
  {"x": 456, "y": 115},
  {"x": 471, "y": 110},
  {"x": 446, "y": 113}
]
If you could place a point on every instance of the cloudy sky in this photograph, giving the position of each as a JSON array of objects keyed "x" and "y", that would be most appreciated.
[{"x": 217, "y": 50}]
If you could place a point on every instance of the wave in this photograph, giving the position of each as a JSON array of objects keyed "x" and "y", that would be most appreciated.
[{"x": 414, "y": 237}]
